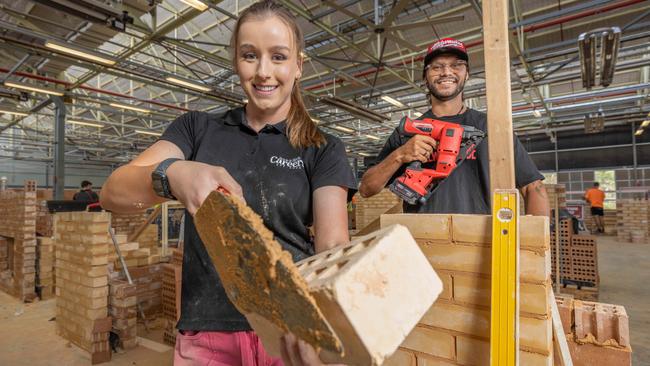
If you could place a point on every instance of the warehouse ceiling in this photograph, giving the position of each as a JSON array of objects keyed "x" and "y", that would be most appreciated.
[{"x": 137, "y": 54}]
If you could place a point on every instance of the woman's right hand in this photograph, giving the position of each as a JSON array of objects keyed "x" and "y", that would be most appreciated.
[{"x": 191, "y": 182}]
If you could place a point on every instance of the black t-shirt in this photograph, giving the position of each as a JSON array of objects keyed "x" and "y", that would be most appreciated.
[
  {"x": 86, "y": 195},
  {"x": 467, "y": 189},
  {"x": 278, "y": 181}
]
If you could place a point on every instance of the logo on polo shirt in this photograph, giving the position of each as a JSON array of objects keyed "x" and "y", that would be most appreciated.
[{"x": 295, "y": 163}]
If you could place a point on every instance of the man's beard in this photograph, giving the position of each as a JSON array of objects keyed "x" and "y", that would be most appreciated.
[{"x": 443, "y": 98}]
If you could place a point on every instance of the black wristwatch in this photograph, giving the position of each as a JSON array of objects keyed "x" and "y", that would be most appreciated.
[{"x": 159, "y": 179}]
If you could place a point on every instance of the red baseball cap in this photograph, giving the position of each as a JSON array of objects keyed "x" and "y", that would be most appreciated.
[{"x": 446, "y": 45}]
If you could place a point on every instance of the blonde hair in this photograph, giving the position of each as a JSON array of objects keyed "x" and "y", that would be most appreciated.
[{"x": 301, "y": 129}]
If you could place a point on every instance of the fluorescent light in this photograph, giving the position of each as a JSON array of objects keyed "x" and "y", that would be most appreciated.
[
  {"x": 188, "y": 84},
  {"x": 372, "y": 137},
  {"x": 15, "y": 113},
  {"x": 130, "y": 107},
  {"x": 537, "y": 113},
  {"x": 645, "y": 123},
  {"x": 33, "y": 88},
  {"x": 393, "y": 101},
  {"x": 90, "y": 148},
  {"x": 639, "y": 132},
  {"x": 364, "y": 154},
  {"x": 344, "y": 129},
  {"x": 82, "y": 123},
  {"x": 315, "y": 120},
  {"x": 196, "y": 4},
  {"x": 148, "y": 133},
  {"x": 78, "y": 53}
]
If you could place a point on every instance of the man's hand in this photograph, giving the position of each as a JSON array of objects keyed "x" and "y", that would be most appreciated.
[
  {"x": 296, "y": 352},
  {"x": 418, "y": 147},
  {"x": 191, "y": 182}
]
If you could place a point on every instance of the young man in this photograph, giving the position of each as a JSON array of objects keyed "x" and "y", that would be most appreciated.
[
  {"x": 86, "y": 193},
  {"x": 596, "y": 197},
  {"x": 466, "y": 190}
]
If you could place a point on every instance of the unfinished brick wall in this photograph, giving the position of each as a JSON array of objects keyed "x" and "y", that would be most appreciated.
[
  {"x": 45, "y": 267},
  {"x": 127, "y": 223},
  {"x": 597, "y": 333},
  {"x": 456, "y": 329},
  {"x": 633, "y": 220},
  {"x": 44, "y": 224},
  {"x": 369, "y": 209},
  {"x": 82, "y": 244},
  {"x": 122, "y": 308},
  {"x": 18, "y": 225}
]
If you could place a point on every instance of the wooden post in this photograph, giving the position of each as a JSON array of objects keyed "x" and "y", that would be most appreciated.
[{"x": 499, "y": 99}]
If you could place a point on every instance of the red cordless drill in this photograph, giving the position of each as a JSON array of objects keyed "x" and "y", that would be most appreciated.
[{"x": 417, "y": 183}]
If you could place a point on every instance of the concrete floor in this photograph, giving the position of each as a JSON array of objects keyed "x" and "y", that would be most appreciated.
[{"x": 28, "y": 336}]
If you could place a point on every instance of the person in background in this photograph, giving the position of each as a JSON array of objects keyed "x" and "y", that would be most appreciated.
[
  {"x": 466, "y": 190},
  {"x": 86, "y": 193},
  {"x": 271, "y": 154},
  {"x": 596, "y": 199}
]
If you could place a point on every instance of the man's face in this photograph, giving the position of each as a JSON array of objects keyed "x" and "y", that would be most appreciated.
[{"x": 446, "y": 76}]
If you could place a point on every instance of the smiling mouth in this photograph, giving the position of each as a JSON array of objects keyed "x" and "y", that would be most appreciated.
[
  {"x": 265, "y": 89},
  {"x": 447, "y": 82}
]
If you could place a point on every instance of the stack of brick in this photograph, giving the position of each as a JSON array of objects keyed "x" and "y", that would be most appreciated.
[
  {"x": 44, "y": 267},
  {"x": 597, "y": 333},
  {"x": 578, "y": 259},
  {"x": 171, "y": 295},
  {"x": 122, "y": 301},
  {"x": 127, "y": 223},
  {"x": 130, "y": 251},
  {"x": 43, "y": 220},
  {"x": 554, "y": 191},
  {"x": 369, "y": 209},
  {"x": 148, "y": 281},
  {"x": 148, "y": 241},
  {"x": 81, "y": 244},
  {"x": 456, "y": 330},
  {"x": 18, "y": 226},
  {"x": 633, "y": 218}
]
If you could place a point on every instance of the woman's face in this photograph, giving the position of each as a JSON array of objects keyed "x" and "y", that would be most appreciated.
[{"x": 267, "y": 64}]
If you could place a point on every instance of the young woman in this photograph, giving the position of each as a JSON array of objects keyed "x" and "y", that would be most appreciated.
[{"x": 271, "y": 154}]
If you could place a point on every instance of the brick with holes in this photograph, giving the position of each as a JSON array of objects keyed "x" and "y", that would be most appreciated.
[{"x": 371, "y": 292}]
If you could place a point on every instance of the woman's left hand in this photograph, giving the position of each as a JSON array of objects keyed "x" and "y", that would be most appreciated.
[{"x": 296, "y": 352}]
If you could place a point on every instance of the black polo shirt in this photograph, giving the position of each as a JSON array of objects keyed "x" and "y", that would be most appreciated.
[
  {"x": 467, "y": 189},
  {"x": 278, "y": 181}
]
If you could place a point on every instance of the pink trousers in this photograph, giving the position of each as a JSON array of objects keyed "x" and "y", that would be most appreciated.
[{"x": 221, "y": 349}]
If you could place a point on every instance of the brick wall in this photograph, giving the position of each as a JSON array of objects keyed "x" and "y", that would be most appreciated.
[
  {"x": 369, "y": 209},
  {"x": 127, "y": 223},
  {"x": 456, "y": 329},
  {"x": 82, "y": 244},
  {"x": 45, "y": 267},
  {"x": 18, "y": 225},
  {"x": 633, "y": 220}
]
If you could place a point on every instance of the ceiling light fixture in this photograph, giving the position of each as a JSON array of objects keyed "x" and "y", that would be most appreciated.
[
  {"x": 188, "y": 84},
  {"x": 372, "y": 137},
  {"x": 75, "y": 52},
  {"x": 148, "y": 133},
  {"x": 15, "y": 113},
  {"x": 34, "y": 88},
  {"x": 645, "y": 123},
  {"x": 82, "y": 123},
  {"x": 393, "y": 101},
  {"x": 344, "y": 129},
  {"x": 639, "y": 132},
  {"x": 129, "y": 107},
  {"x": 364, "y": 154},
  {"x": 196, "y": 4},
  {"x": 537, "y": 113}
]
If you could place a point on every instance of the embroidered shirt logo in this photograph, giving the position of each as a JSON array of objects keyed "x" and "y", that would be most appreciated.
[{"x": 295, "y": 163}]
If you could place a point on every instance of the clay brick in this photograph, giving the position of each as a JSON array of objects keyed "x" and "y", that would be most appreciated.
[
  {"x": 447, "y": 286},
  {"x": 534, "y": 359},
  {"x": 471, "y": 289},
  {"x": 604, "y": 321},
  {"x": 424, "y": 360},
  {"x": 472, "y": 351},
  {"x": 534, "y": 267},
  {"x": 401, "y": 357},
  {"x": 589, "y": 354},
  {"x": 431, "y": 342},
  {"x": 472, "y": 228},
  {"x": 421, "y": 226},
  {"x": 534, "y": 298},
  {"x": 534, "y": 232},
  {"x": 452, "y": 257},
  {"x": 459, "y": 318},
  {"x": 536, "y": 334}
]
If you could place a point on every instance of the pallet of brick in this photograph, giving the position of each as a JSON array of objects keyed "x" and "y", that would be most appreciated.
[
  {"x": 456, "y": 330},
  {"x": 127, "y": 223},
  {"x": 45, "y": 267},
  {"x": 566, "y": 235},
  {"x": 597, "y": 333},
  {"x": 369, "y": 209},
  {"x": 584, "y": 260},
  {"x": 18, "y": 226},
  {"x": 122, "y": 307},
  {"x": 633, "y": 220},
  {"x": 81, "y": 251}
]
